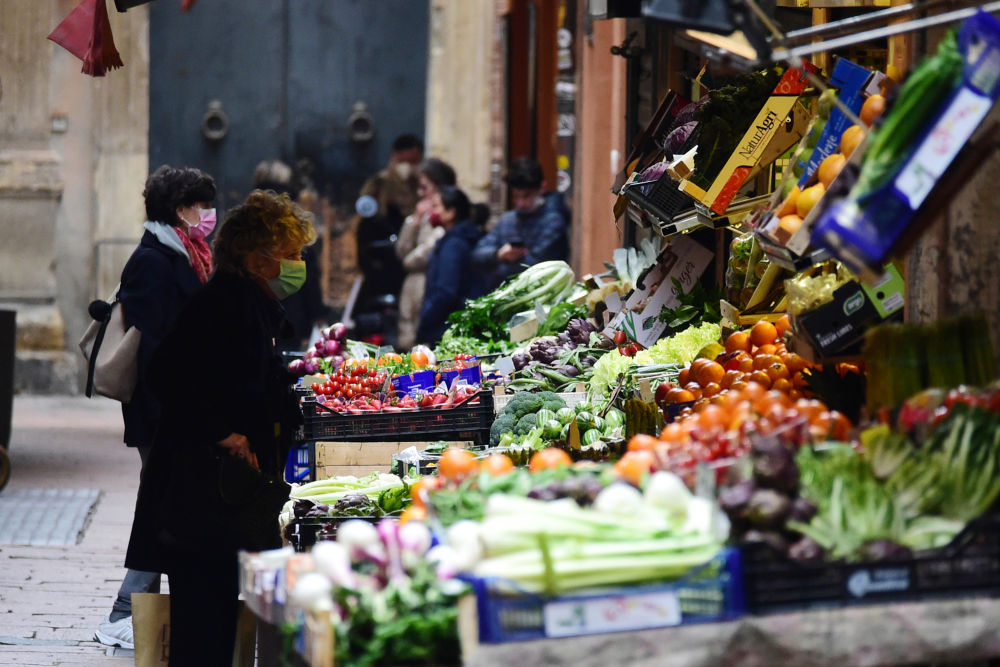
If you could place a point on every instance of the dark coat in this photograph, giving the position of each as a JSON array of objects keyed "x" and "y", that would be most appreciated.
[
  {"x": 156, "y": 283},
  {"x": 215, "y": 373},
  {"x": 545, "y": 233},
  {"x": 451, "y": 280}
]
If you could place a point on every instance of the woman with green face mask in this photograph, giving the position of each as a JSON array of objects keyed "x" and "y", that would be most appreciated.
[{"x": 226, "y": 402}]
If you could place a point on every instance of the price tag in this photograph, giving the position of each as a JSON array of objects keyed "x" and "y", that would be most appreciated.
[
  {"x": 613, "y": 613},
  {"x": 505, "y": 365},
  {"x": 358, "y": 351}
]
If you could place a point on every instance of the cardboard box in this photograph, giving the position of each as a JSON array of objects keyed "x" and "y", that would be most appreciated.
[
  {"x": 841, "y": 323},
  {"x": 685, "y": 260},
  {"x": 778, "y": 126}
]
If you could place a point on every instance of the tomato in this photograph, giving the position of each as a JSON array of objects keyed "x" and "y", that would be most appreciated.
[
  {"x": 372, "y": 373},
  {"x": 619, "y": 338}
]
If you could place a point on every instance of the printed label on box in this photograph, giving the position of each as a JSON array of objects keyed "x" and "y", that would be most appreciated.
[
  {"x": 684, "y": 260},
  {"x": 940, "y": 147},
  {"x": 612, "y": 614}
]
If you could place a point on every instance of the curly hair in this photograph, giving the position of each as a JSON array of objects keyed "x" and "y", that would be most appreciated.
[
  {"x": 168, "y": 187},
  {"x": 265, "y": 221}
]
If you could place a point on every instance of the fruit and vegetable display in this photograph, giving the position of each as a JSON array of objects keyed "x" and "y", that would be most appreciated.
[
  {"x": 487, "y": 318},
  {"x": 899, "y": 491},
  {"x": 530, "y": 422},
  {"x": 555, "y": 527},
  {"x": 389, "y": 602},
  {"x": 557, "y": 363}
]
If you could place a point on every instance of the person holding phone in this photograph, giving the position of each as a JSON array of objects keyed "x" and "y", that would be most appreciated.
[{"x": 535, "y": 230}]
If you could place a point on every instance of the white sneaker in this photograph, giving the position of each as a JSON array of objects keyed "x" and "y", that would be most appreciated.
[{"x": 118, "y": 633}]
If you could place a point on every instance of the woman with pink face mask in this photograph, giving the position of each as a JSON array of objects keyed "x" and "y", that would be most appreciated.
[{"x": 170, "y": 263}]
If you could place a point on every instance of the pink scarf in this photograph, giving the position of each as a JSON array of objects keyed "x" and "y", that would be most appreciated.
[{"x": 199, "y": 253}]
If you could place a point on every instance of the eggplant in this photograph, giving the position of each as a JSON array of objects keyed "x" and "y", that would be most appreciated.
[
  {"x": 774, "y": 466},
  {"x": 806, "y": 550},
  {"x": 802, "y": 510},
  {"x": 588, "y": 361},
  {"x": 767, "y": 509}
]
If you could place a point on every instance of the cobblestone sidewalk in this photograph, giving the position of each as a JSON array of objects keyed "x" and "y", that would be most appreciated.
[{"x": 53, "y": 597}]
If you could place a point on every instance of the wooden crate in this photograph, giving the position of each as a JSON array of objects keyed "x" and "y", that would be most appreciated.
[{"x": 335, "y": 459}]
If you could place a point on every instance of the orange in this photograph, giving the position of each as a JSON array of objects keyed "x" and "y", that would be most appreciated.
[
  {"x": 809, "y": 198},
  {"x": 694, "y": 388},
  {"x": 497, "y": 465},
  {"x": 457, "y": 464},
  {"x": 872, "y": 109},
  {"x": 788, "y": 206},
  {"x": 762, "y": 378},
  {"x": 633, "y": 466},
  {"x": 710, "y": 373},
  {"x": 642, "y": 441},
  {"x": 549, "y": 459},
  {"x": 829, "y": 168},
  {"x": 788, "y": 225},
  {"x": 767, "y": 348},
  {"x": 673, "y": 433},
  {"x": 711, "y": 389},
  {"x": 762, "y": 333},
  {"x": 678, "y": 395},
  {"x": 783, "y": 385},
  {"x": 764, "y": 361},
  {"x": 777, "y": 371},
  {"x": 729, "y": 378},
  {"x": 419, "y": 358},
  {"x": 422, "y": 488},
  {"x": 738, "y": 341},
  {"x": 745, "y": 365},
  {"x": 413, "y": 513},
  {"x": 782, "y": 325},
  {"x": 850, "y": 139},
  {"x": 684, "y": 376}
]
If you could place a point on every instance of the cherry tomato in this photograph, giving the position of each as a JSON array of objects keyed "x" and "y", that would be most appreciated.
[{"x": 619, "y": 337}]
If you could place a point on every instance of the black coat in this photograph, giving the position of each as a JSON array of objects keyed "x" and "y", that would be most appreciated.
[
  {"x": 451, "y": 280},
  {"x": 215, "y": 373},
  {"x": 156, "y": 283}
]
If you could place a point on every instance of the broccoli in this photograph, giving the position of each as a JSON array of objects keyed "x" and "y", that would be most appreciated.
[
  {"x": 523, "y": 403},
  {"x": 525, "y": 424},
  {"x": 504, "y": 423},
  {"x": 551, "y": 401}
]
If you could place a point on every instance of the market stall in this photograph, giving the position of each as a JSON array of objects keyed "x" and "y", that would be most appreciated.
[{"x": 775, "y": 466}]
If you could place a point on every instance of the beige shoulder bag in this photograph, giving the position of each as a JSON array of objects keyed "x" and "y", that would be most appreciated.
[{"x": 111, "y": 350}]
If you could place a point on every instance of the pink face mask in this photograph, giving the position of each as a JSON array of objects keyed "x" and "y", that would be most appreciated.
[{"x": 206, "y": 223}]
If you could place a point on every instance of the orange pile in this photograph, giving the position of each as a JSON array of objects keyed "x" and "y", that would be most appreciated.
[
  {"x": 798, "y": 204},
  {"x": 755, "y": 355}
]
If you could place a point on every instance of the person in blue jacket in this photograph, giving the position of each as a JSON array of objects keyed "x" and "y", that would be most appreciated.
[
  {"x": 170, "y": 263},
  {"x": 451, "y": 277},
  {"x": 536, "y": 230}
]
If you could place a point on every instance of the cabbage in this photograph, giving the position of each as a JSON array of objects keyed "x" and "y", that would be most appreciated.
[{"x": 680, "y": 348}]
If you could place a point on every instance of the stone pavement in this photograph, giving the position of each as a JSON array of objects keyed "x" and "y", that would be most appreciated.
[{"x": 53, "y": 597}]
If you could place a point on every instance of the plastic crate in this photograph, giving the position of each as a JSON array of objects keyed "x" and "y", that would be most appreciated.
[
  {"x": 468, "y": 421},
  {"x": 701, "y": 596},
  {"x": 969, "y": 566}
]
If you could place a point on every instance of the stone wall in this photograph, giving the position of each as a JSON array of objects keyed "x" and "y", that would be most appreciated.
[
  {"x": 73, "y": 159},
  {"x": 460, "y": 101}
]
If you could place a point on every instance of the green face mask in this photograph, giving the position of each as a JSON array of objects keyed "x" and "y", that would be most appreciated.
[{"x": 290, "y": 280}]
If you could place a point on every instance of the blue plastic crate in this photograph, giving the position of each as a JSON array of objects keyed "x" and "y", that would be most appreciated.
[{"x": 700, "y": 597}]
